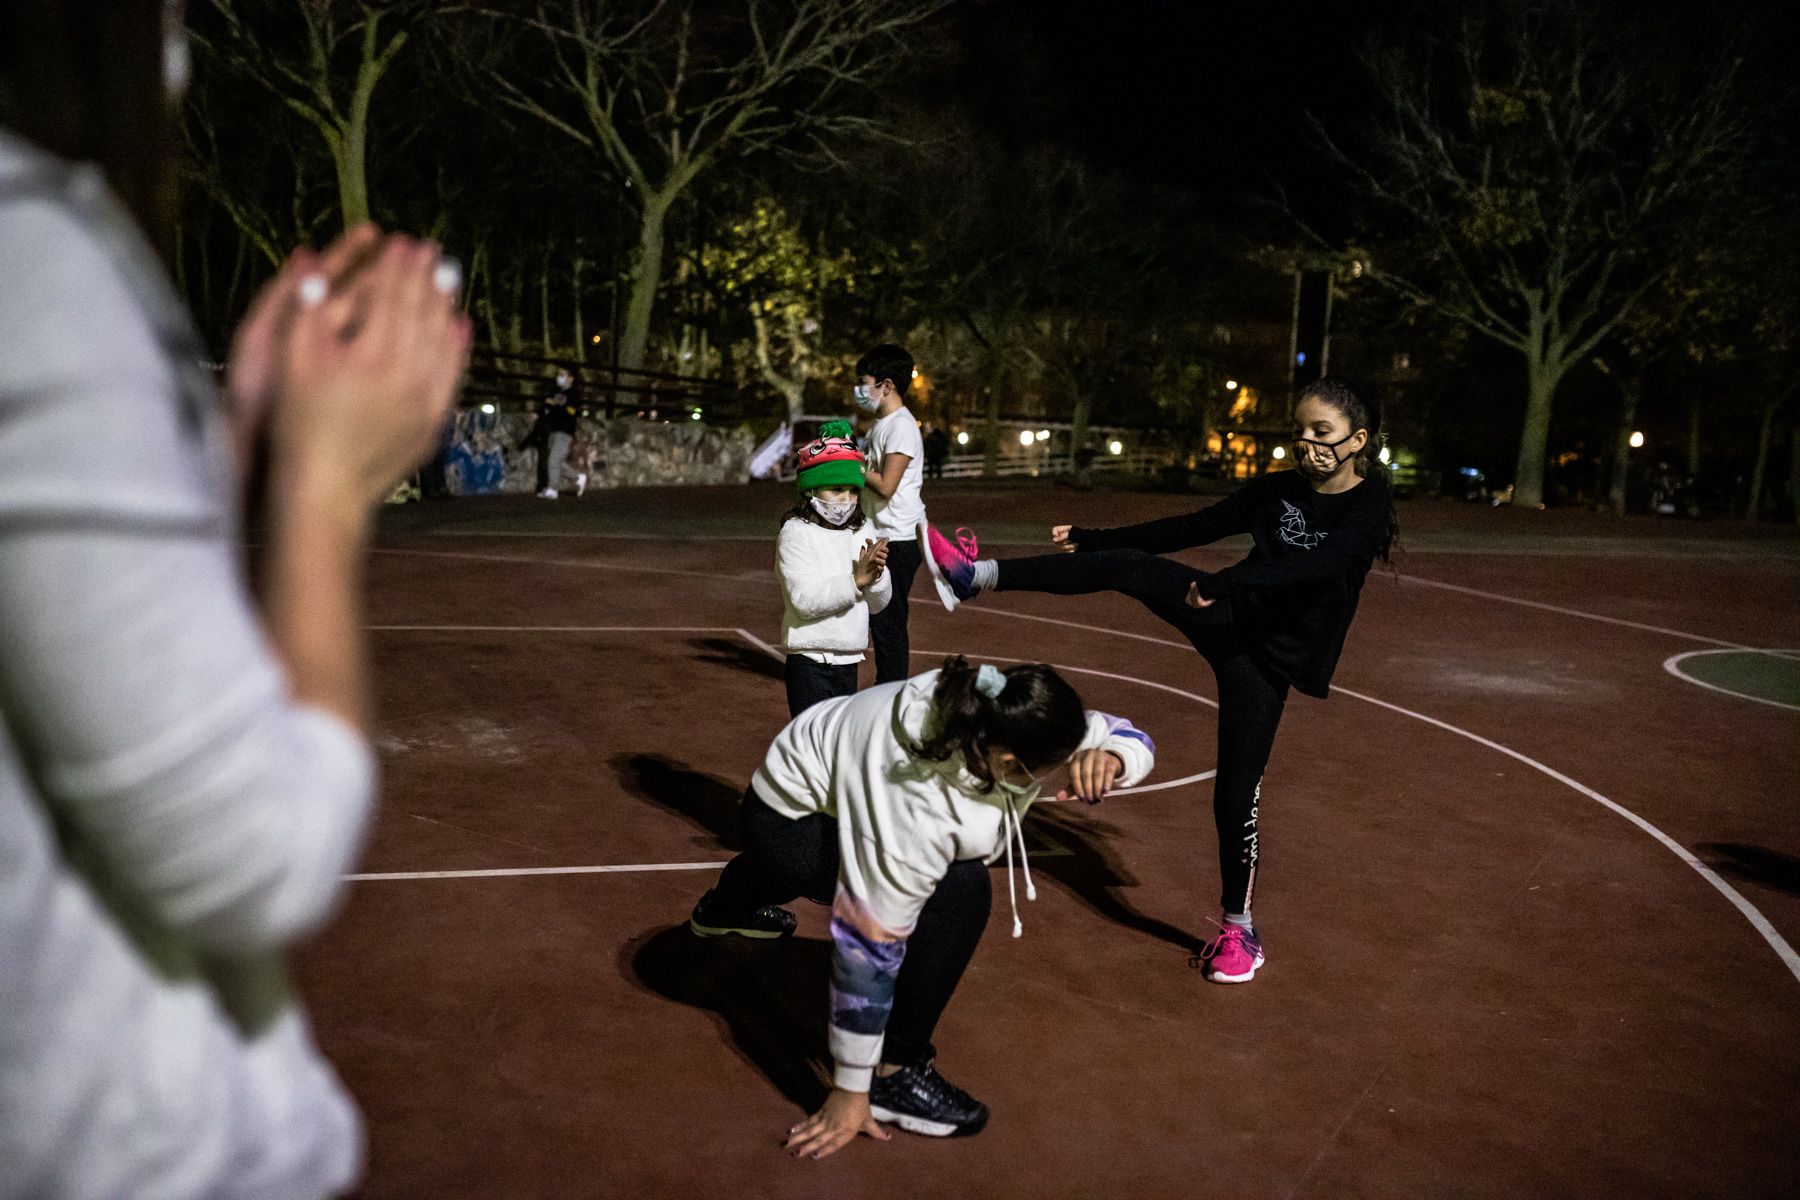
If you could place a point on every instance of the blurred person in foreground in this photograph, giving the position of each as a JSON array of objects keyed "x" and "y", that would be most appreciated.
[{"x": 185, "y": 775}]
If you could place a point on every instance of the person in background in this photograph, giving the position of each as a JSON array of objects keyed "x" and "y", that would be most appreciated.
[
  {"x": 937, "y": 449},
  {"x": 185, "y": 772},
  {"x": 891, "y": 498},
  {"x": 554, "y": 433}
]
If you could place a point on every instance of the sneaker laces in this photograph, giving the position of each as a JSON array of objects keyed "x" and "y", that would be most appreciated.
[
  {"x": 965, "y": 543},
  {"x": 1228, "y": 932}
]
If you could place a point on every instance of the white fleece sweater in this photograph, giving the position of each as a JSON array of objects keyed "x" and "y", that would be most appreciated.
[
  {"x": 824, "y": 611},
  {"x": 902, "y": 821}
]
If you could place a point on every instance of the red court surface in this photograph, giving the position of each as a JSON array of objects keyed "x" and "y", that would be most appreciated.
[{"x": 1529, "y": 899}]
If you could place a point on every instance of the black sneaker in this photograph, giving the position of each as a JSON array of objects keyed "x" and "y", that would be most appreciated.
[
  {"x": 765, "y": 922},
  {"x": 920, "y": 1100}
]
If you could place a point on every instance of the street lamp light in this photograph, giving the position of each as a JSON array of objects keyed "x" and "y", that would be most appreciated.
[
  {"x": 962, "y": 438},
  {"x": 1637, "y": 439},
  {"x": 1025, "y": 438},
  {"x": 1043, "y": 435},
  {"x": 1231, "y": 385},
  {"x": 1278, "y": 453},
  {"x": 1116, "y": 446}
]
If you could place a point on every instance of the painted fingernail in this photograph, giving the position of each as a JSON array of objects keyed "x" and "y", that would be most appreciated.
[
  {"x": 312, "y": 291},
  {"x": 447, "y": 278}
]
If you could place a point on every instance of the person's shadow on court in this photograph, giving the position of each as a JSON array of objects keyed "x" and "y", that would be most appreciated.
[
  {"x": 1076, "y": 856},
  {"x": 709, "y": 804},
  {"x": 729, "y": 652},
  {"x": 770, "y": 997}
]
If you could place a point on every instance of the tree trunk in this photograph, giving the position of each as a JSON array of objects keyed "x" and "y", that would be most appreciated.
[
  {"x": 645, "y": 279},
  {"x": 1078, "y": 437},
  {"x": 1528, "y": 475},
  {"x": 581, "y": 351},
  {"x": 1630, "y": 392},
  {"x": 990, "y": 465},
  {"x": 1753, "y": 506},
  {"x": 544, "y": 306},
  {"x": 1693, "y": 446},
  {"x": 1794, "y": 471}
]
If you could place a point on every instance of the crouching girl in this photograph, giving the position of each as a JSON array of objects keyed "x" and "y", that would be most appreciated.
[{"x": 889, "y": 805}]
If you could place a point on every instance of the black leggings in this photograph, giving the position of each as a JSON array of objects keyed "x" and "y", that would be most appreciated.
[
  {"x": 1251, "y": 696},
  {"x": 809, "y": 682},
  {"x": 887, "y": 628},
  {"x": 785, "y": 859}
]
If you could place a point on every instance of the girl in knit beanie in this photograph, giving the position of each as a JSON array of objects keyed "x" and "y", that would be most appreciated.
[{"x": 829, "y": 585}]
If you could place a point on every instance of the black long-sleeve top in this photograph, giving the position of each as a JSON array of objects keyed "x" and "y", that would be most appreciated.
[{"x": 1296, "y": 592}]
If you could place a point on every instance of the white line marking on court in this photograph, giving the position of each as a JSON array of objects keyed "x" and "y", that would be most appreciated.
[
  {"x": 499, "y": 872},
  {"x": 627, "y": 868},
  {"x": 761, "y": 645},
  {"x": 1574, "y": 612},
  {"x": 1672, "y": 665},
  {"x": 583, "y": 564},
  {"x": 555, "y": 628},
  {"x": 1751, "y": 913}
]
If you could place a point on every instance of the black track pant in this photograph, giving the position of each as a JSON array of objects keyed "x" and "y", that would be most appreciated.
[
  {"x": 809, "y": 682},
  {"x": 1250, "y": 696},
  {"x": 785, "y": 859},
  {"x": 887, "y": 628}
]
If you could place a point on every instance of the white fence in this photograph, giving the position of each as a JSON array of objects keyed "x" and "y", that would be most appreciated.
[{"x": 1015, "y": 466}]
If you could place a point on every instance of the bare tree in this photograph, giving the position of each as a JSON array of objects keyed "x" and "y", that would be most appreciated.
[
  {"x": 323, "y": 59},
  {"x": 662, "y": 91},
  {"x": 1531, "y": 173}
]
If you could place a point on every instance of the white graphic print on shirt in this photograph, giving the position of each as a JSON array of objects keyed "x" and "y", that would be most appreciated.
[{"x": 1294, "y": 531}]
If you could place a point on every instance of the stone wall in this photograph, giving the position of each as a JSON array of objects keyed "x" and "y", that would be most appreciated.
[{"x": 624, "y": 452}]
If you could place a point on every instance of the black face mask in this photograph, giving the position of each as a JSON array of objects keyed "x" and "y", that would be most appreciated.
[{"x": 1336, "y": 458}]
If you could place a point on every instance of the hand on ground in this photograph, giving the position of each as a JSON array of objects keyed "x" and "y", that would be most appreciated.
[
  {"x": 1059, "y": 534},
  {"x": 844, "y": 1115}
]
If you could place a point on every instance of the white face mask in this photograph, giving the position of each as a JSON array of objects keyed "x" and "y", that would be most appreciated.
[
  {"x": 835, "y": 512},
  {"x": 865, "y": 398}
]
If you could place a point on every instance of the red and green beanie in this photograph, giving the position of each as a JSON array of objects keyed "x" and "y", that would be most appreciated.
[{"x": 829, "y": 460}]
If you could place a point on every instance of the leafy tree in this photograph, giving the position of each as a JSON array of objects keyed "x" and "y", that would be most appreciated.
[{"x": 1530, "y": 173}]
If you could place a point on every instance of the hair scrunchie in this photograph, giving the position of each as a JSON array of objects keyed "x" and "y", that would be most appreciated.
[{"x": 990, "y": 681}]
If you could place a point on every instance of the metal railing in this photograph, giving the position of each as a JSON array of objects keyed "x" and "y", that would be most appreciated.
[{"x": 509, "y": 379}]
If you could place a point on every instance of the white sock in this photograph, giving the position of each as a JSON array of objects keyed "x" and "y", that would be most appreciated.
[
  {"x": 987, "y": 574},
  {"x": 1242, "y": 918}
]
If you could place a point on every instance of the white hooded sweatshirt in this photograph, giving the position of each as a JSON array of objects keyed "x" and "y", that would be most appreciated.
[{"x": 902, "y": 821}]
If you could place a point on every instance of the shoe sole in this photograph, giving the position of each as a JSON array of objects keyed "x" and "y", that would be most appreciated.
[
  {"x": 920, "y": 1125},
  {"x": 1246, "y": 977},
  {"x": 946, "y": 594},
  {"x": 709, "y": 931}
]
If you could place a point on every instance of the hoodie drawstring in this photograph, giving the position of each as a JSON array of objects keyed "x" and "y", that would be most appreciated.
[{"x": 1013, "y": 828}]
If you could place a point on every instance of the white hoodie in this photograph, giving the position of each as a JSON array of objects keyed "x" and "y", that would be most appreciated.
[
  {"x": 902, "y": 821},
  {"x": 825, "y": 614}
]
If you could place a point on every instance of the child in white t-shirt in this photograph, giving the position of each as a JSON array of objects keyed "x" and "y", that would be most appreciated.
[
  {"x": 829, "y": 587},
  {"x": 891, "y": 497}
]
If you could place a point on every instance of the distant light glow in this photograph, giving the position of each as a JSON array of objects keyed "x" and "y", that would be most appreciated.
[
  {"x": 1637, "y": 439},
  {"x": 596, "y": 339},
  {"x": 1043, "y": 435},
  {"x": 1231, "y": 385},
  {"x": 1025, "y": 438},
  {"x": 1384, "y": 454},
  {"x": 1116, "y": 446},
  {"x": 1300, "y": 358},
  {"x": 488, "y": 409},
  {"x": 1278, "y": 453},
  {"x": 915, "y": 372},
  {"x": 695, "y": 414},
  {"x": 962, "y": 439}
]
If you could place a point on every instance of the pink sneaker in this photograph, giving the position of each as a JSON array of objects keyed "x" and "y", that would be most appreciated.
[
  {"x": 1233, "y": 956},
  {"x": 952, "y": 565}
]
